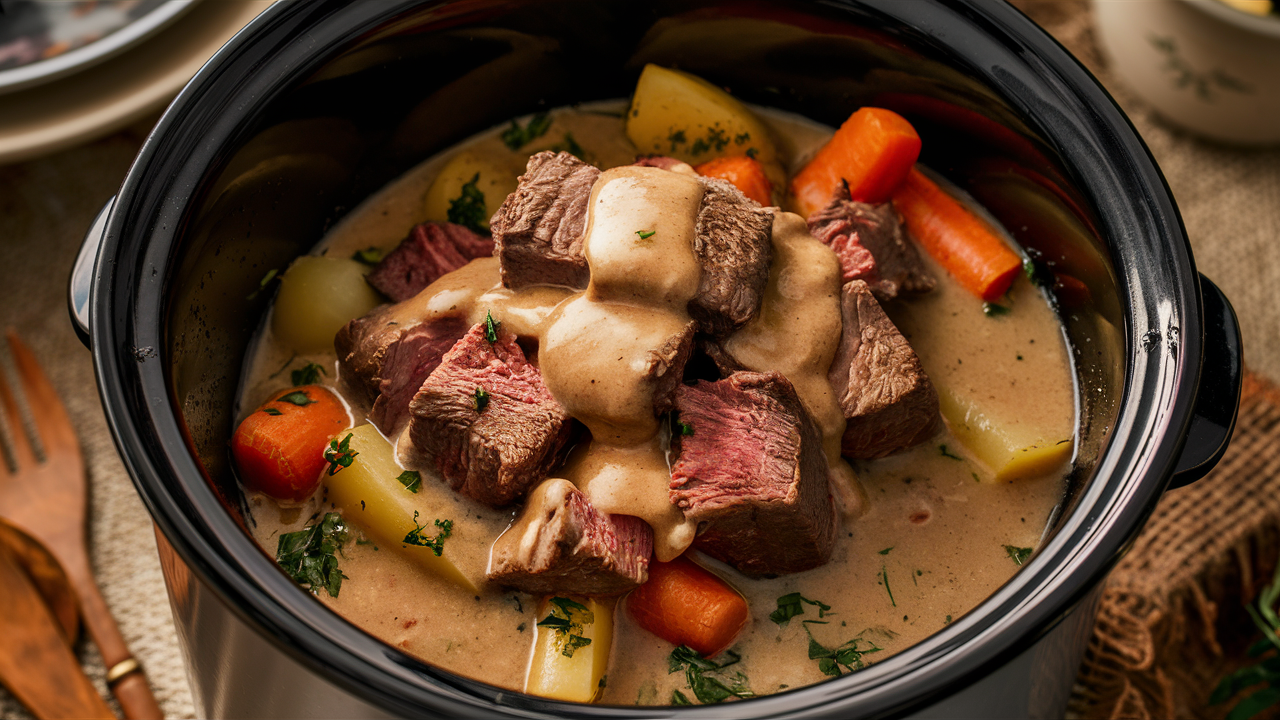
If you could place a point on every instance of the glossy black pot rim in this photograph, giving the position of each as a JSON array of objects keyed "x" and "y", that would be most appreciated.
[{"x": 1158, "y": 286}]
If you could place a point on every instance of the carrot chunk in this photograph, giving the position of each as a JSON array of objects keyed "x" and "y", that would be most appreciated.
[
  {"x": 873, "y": 151},
  {"x": 279, "y": 448},
  {"x": 747, "y": 174},
  {"x": 687, "y": 605},
  {"x": 959, "y": 240}
]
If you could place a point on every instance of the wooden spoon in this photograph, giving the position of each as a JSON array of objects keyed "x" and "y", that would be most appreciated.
[{"x": 47, "y": 576}]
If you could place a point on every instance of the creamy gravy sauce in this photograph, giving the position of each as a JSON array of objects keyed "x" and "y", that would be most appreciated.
[{"x": 926, "y": 547}]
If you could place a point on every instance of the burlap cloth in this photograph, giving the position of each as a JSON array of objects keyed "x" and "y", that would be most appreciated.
[{"x": 1171, "y": 618}]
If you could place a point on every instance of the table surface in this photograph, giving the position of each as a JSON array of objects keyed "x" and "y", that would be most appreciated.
[{"x": 1229, "y": 198}]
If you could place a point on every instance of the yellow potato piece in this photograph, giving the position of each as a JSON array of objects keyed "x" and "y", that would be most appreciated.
[
  {"x": 494, "y": 177},
  {"x": 683, "y": 116},
  {"x": 371, "y": 498},
  {"x": 1012, "y": 452},
  {"x": 554, "y": 675},
  {"x": 318, "y": 295}
]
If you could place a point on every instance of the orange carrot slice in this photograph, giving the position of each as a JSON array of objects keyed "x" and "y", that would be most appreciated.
[
  {"x": 279, "y": 448},
  {"x": 687, "y": 605},
  {"x": 747, "y": 174},
  {"x": 873, "y": 151},
  {"x": 959, "y": 240}
]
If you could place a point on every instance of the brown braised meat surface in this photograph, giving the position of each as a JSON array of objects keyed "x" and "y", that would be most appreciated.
[
  {"x": 666, "y": 367},
  {"x": 485, "y": 420},
  {"x": 872, "y": 244},
  {"x": 888, "y": 400},
  {"x": 733, "y": 241},
  {"x": 751, "y": 471},
  {"x": 561, "y": 544},
  {"x": 431, "y": 250},
  {"x": 538, "y": 229}
]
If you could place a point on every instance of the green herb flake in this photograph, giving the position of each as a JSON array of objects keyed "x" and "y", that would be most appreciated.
[
  {"x": 741, "y": 138},
  {"x": 708, "y": 679},
  {"x": 368, "y": 256},
  {"x": 297, "y": 397},
  {"x": 792, "y": 604},
  {"x": 1038, "y": 273},
  {"x": 884, "y": 575},
  {"x": 886, "y": 550},
  {"x": 522, "y": 626},
  {"x": 752, "y": 152},
  {"x": 948, "y": 454},
  {"x": 678, "y": 698},
  {"x": 567, "y": 619},
  {"x": 975, "y": 477},
  {"x": 947, "y": 621},
  {"x": 262, "y": 284},
  {"x": 676, "y": 138},
  {"x": 339, "y": 454},
  {"x": 468, "y": 208},
  {"x": 490, "y": 327},
  {"x": 1018, "y": 555},
  {"x": 646, "y": 234},
  {"x": 482, "y": 399},
  {"x": 685, "y": 428},
  {"x": 991, "y": 309},
  {"x": 309, "y": 374},
  {"x": 570, "y": 146},
  {"x": 436, "y": 544},
  {"x": 516, "y": 137},
  {"x": 411, "y": 480},
  {"x": 309, "y": 556},
  {"x": 272, "y": 411},
  {"x": 847, "y": 656}
]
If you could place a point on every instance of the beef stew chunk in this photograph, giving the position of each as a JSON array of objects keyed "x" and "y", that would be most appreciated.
[
  {"x": 485, "y": 420},
  {"x": 561, "y": 544},
  {"x": 538, "y": 230},
  {"x": 872, "y": 244},
  {"x": 889, "y": 402},
  {"x": 751, "y": 471},
  {"x": 431, "y": 250},
  {"x": 733, "y": 243}
]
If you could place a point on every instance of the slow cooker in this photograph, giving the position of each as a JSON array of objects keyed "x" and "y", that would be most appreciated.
[{"x": 315, "y": 105}]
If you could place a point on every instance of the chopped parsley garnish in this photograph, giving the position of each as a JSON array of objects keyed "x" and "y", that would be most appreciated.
[
  {"x": 646, "y": 234},
  {"x": 752, "y": 152},
  {"x": 947, "y": 453},
  {"x": 716, "y": 139},
  {"x": 741, "y": 138},
  {"x": 307, "y": 375},
  {"x": 368, "y": 256},
  {"x": 416, "y": 538},
  {"x": 516, "y": 137},
  {"x": 676, "y": 138},
  {"x": 1038, "y": 273},
  {"x": 482, "y": 399},
  {"x": 468, "y": 208},
  {"x": 679, "y": 698},
  {"x": 685, "y": 428},
  {"x": 308, "y": 555},
  {"x": 490, "y": 327},
  {"x": 567, "y": 619},
  {"x": 1017, "y": 554},
  {"x": 297, "y": 397},
  {"x": 792, "y": 604},
  {"x": 830, "y": 660},
  {"x": 263, "y": 283},
  {"x": 884, "y": 576},
  {"x": 975, "y": 477},
  {"x": 991, "y": 309},
  {"x": 570, "y": 146},
  {"x": 886, "y": 550},
  {"x": 271, "y": 411},
  {"x": 339, "y": 454},
  {"x": 707, "y": 678},
  {"x": 411, "y": 480}
]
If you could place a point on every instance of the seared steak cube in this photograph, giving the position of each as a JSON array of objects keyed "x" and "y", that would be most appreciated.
[
  {"x": 561, "y": 544},
  {"x": 751, "y": 471},
  {"x": 486, "y": 421},
  {"x": 538, "y": 229},
  {"x": 733, "y": 242},
  {"x": 382, "y": 363},
  {"x": 886, "y": 396},
  {"x": 431, "y": 250},
  {"x": 872, "y": 244}
]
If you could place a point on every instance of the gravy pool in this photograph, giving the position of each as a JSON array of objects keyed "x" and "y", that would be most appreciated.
[{"x": 923, "y": 542}]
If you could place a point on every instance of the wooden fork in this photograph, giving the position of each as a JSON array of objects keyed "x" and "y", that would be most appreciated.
[{"x": 44, "y": 497}]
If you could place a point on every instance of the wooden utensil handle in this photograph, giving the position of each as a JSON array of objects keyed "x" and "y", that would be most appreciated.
[{"x": 131, "y": 687}]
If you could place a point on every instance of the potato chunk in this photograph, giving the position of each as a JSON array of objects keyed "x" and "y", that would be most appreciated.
[
  {"x": 318, "y": 295},
  {"x": 571, "y": 648},
  {"x": 372, "y": 498},
  {"x": 494, "y": 180},
  {"x": 683, "y": 116},
  {"x": 1012, "y": 452}
]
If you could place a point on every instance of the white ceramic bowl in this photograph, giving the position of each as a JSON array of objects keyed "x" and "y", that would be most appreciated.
[{"x": 1202, "y": 65}]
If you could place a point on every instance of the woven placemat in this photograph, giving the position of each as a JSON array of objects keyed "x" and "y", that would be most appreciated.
[{"x": 1172, "y": 621}]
